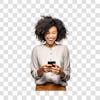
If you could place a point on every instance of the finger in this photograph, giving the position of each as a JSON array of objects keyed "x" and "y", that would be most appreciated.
[
  {"x": 46, "y": 70},
  {"x": 53, "y": 68},
  {"x": 49, "y": 65},
  {"x": 56, "y": 66},
  {"x": 55, "y": 72},
  {"x": 46, "y": 66}
]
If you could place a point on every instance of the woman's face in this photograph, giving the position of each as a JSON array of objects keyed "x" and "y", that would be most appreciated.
[{"x": 51, "y": 35}]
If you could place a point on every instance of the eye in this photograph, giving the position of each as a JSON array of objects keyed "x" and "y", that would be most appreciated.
[{"x": 54, "y": 33}]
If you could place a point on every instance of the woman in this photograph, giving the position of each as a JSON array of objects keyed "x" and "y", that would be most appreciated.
[{"x": 50, "y": 31}]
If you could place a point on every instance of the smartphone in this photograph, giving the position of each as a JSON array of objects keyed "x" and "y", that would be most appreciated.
[{"x": 52, "y": 62}]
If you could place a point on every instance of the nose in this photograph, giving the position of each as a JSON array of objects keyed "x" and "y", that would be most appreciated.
[{"x": 50, "y": 34}]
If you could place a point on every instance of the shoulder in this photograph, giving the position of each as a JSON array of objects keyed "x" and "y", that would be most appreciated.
[
  {"x": 65, "y": 47},
  {"x": 38, "y": 47}
]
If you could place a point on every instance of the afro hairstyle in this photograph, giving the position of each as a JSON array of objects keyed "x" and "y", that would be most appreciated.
[{"x": 45, "y": 23}]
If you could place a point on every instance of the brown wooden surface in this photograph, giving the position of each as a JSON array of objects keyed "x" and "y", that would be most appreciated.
[{"x": 50, "y": 87}]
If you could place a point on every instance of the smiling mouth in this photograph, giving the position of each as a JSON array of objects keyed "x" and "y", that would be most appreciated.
[{"x": 50, "y": 39}]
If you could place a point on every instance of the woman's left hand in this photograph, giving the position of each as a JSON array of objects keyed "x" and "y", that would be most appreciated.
[{"x": 56, "y": 69}]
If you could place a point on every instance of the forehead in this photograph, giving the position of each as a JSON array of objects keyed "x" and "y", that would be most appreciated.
[{"x": 53, "y": 29}]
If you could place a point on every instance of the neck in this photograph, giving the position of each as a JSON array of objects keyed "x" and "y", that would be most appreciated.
[{"x": 50, "y": 46}]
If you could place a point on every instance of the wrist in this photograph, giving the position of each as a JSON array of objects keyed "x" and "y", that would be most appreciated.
[
  {"x": 62, "y": 75},
  {"x": 40, "y": 72}
]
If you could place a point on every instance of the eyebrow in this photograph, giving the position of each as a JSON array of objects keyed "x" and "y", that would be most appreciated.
[{"x": 53, "y": 31}]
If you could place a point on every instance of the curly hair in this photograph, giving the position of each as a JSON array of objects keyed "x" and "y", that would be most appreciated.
[{"x": 45, "y": 23}]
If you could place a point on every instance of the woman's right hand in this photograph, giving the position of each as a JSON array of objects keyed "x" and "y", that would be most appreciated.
[{"x": 44, "y": 68}]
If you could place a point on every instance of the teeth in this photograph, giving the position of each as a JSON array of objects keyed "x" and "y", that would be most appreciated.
[{"x": 50, "y": 39}]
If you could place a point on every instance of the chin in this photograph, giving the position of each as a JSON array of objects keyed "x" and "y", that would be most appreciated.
[{"x": 50, "y": 43}]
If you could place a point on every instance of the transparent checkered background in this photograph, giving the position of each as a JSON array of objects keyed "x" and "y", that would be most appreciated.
[{"x": 17, "y": 21}]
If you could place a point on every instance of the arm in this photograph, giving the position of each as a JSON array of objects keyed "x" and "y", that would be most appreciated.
[
  {"x": 36, "y": 70},
  {"x": 35, "y": 64},
  {"x": 66, "y": 71}
]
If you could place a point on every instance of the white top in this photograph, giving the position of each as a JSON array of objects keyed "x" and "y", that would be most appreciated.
[{"x": 41, "y": 54}]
